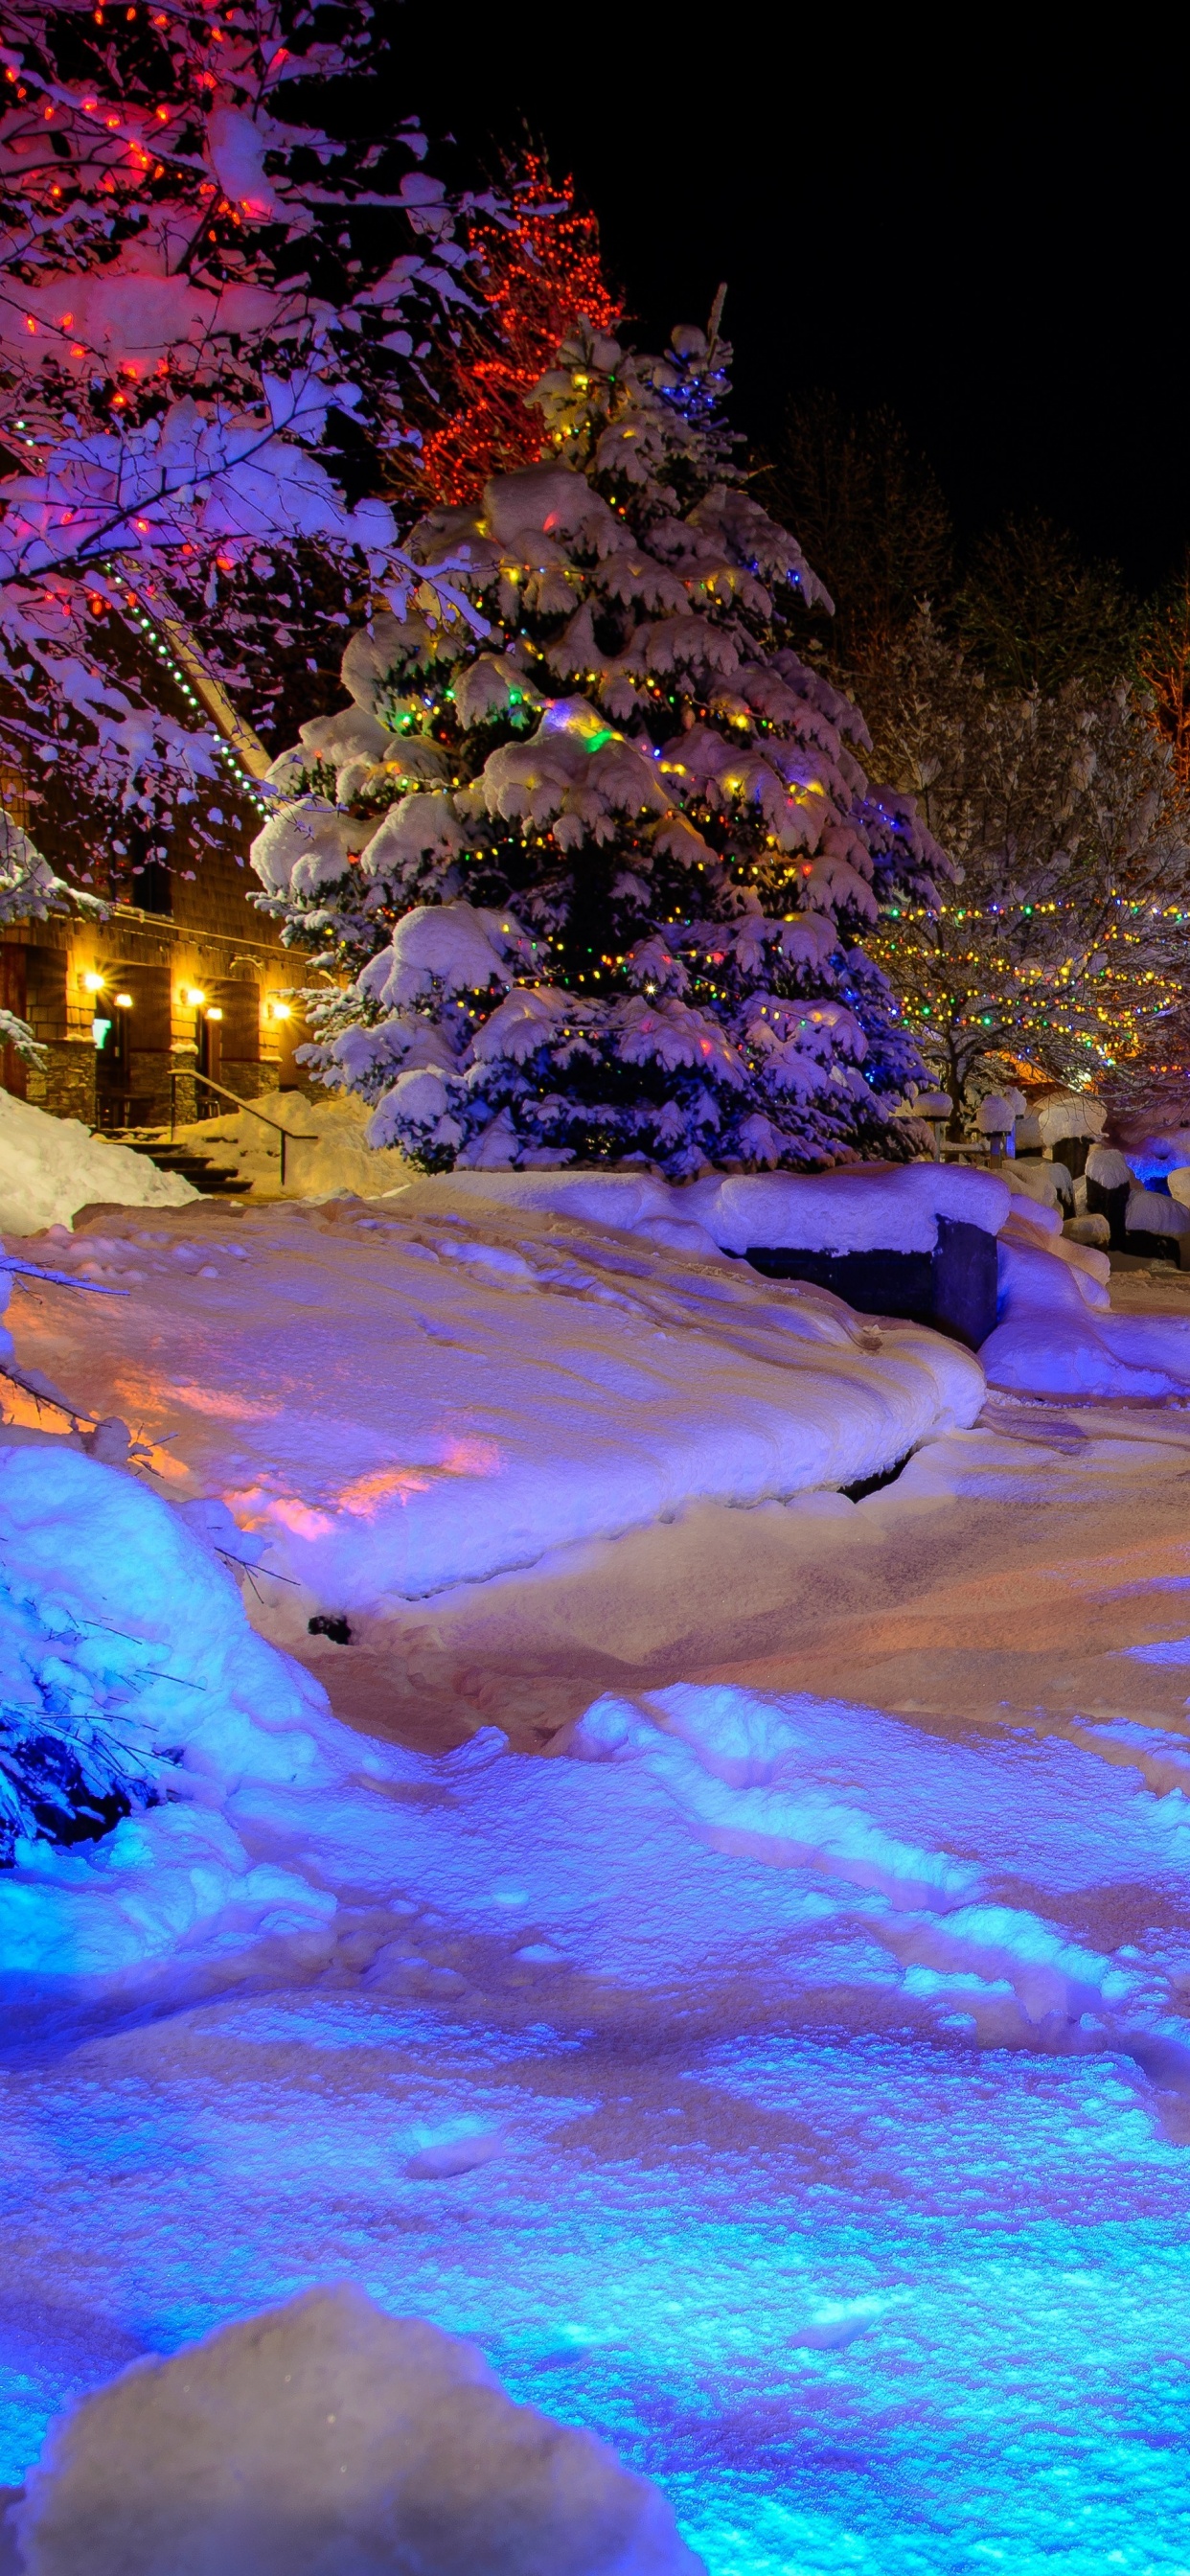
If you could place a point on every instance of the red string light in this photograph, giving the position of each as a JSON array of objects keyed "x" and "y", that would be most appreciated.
[{"x": 538, "y": 278}]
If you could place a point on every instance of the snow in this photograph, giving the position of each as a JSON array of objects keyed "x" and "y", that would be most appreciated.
[
  {"x": 1151, "y": 1212},
  {"x": 52, "y": 1167},
  {"x": 227, "y": 2458},
  {"x": 1158, "y": 1157},
  {"x": 822, "y": 2061},
  {"x": 1109, "y": 1168},
  {"x": 1035, "y": 1179},
  {"x": 786, "y": 2081},
  {"x": 326, "y": 1150},
  {"x": 112, "y": 1606},
  {"x": 427, "y": 1390},
  {"x": 868, "y": 1207},
  {"x": 1069, "y": 1114},
  {"x": 1055, "y": 1334}
]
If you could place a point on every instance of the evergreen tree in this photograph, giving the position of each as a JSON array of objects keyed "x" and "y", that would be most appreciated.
[
  {"x": 603, "y": 877},
  {"x": 210, "y": 306}
]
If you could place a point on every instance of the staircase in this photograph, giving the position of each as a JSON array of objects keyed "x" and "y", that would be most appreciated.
[{"x": 213, "y": 1179}]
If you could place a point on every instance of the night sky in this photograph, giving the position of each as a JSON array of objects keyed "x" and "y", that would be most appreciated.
[{"x": 991, "y": 241}]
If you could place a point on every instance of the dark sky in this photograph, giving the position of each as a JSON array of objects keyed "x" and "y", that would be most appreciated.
[{"x": 994, "y": 242}]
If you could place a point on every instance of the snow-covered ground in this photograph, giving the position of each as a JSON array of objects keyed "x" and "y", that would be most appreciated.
[
  {"x": 788, "y": 2079},
  {"x": 397, "y": 1403}
]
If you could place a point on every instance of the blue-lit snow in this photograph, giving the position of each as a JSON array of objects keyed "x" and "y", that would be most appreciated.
[
  {"x": 793, "y": 2090},
  {"x": 761, "y": 2090}
]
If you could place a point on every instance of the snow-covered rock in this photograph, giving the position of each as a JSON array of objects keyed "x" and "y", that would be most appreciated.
[
  {"x": 50, "y": 1167},
  {"x": 1152, "y": 1212},
  {"x": 326, "y": 2438}
]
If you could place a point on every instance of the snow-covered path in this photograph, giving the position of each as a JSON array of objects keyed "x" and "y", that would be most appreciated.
[
  {"x": 795, "y": 2089},
  {"x": 792, "y": 2135}
]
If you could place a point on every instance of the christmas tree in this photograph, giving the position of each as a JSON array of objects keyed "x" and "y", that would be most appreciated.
[
  {"x": 601, "y": 877},
  {"x": 212, "y": 298}
]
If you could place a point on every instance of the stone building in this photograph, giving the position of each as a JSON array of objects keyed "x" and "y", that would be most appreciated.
[{"x": 130, "y": 1010}]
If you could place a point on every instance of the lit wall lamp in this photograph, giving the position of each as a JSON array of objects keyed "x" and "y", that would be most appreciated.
[
  {"x": 280, "y": 1010},
  {"x": 93, "y": 983},
  {"x": 213, "y": 1014},
  {"x": 191, "y": 994},
  {"x": 123, "y": 1001}
]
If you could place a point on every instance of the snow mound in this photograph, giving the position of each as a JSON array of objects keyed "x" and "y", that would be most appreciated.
[
  {"x": 1151, "y": 1212},
  {"x": 438, "y": 1388},
  {"x": 872, "y": 1207},
  {"x": 50, "y": 1167},
  {"x": 869, "y": 1207},
  {"x": 1046, "y": 1182},
  {"x": 117, "y": 1621},
  {"x": 1056, "y": 1334},
  {"x": 326, "y": 2436},
  {"x": 326, "y": 1150}
]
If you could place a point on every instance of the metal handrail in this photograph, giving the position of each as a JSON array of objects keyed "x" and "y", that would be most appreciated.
[{"x": 177, "y": 1072}]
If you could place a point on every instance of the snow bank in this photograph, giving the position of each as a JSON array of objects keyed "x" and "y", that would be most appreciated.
[
  {"x": 339, "y": 1158},
  {"x": 49, "y": 1167},
  {"x": 404, "y": 1396},
  {"x": 112, "y": 1609},
  {"x": 1057, "y": 1336},
  {"x": 328, "y": 2437},
  {"x": 869, "y": 1207}
]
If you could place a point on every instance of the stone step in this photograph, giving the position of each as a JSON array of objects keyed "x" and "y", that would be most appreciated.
[{"x": 212, "y": 1179}]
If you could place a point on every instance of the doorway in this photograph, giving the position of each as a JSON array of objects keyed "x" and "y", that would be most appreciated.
[
  {"x": 13, "y": 997},
  {"x": 210, "y": 1048}
]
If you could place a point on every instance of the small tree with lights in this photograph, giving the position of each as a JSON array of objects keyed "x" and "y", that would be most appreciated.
[
  {"x": 602, "y": 878},
  {"x": 537, "y": 276}
]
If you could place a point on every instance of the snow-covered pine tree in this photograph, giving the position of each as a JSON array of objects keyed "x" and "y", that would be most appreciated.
[
  {"x": 603, "y": 877},
  {"x": 212, "y": 291}
]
